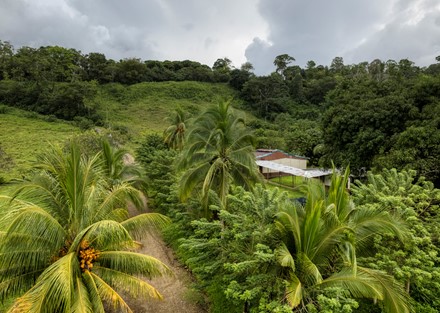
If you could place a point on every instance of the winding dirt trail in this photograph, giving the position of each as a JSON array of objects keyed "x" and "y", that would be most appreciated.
[{"x": 174, "y": 288}]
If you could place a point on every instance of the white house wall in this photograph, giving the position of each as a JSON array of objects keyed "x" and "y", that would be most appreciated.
[{"x": 298, "y": 163}]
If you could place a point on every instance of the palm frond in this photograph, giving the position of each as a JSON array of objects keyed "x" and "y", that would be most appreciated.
[
  {"x": 16, "y": 284},
  {"x": 95, "y": 299},
  {"x": 81, "y": 302},
  {"x": 127, "y": 283},
  {"x": 142, "y": 224},
  {"x": 284, "y": 257},
  {"x": 395, "y": 299},
  {"x": 53, "y": 289},
  {"x": 294, "y": 292},
  {"x": 133, "y": 263},
  {"x": 35, "y": 221},
  {"x": 109, "y": 295},
  {"x": 103, "y": 235},
  {"x": 112, "y": 199},
  {"x": 368, "y": 283}
]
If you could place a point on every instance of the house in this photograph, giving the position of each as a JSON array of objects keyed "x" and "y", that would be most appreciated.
[
  {"x": 281, "y": 158},
  {"x": 276, "y": 163}
]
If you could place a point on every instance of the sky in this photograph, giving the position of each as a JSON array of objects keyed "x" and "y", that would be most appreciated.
[{"x": 253, "y": 31}]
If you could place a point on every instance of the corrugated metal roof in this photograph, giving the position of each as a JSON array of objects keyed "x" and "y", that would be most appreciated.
[
  {"x": 262, "y": 153},
  {"x": 310, "y": 173}
]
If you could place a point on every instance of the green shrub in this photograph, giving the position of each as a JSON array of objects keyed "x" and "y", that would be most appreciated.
[
  {"x": 83, "y": 122},
  {"x": 4, "y": 109}
]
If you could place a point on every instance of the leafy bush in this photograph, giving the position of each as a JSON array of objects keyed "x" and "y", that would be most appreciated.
[
  {"x": 63, "y": 100},
  {"x": 4, "y": 109}
]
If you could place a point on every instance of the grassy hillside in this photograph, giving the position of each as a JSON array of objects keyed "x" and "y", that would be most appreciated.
[
  {"x": 25, "y": 134},
  {"x": 131, "y": 110},
  {"x": 143, "y": 107}
]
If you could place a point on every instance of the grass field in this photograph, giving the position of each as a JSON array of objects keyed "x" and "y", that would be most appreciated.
[
  {"x": 143, "y": 107},
  {"x": 289, "y": 181},
  {"x": 24, "y": 135},
  {"x": 293, "y": 192}
]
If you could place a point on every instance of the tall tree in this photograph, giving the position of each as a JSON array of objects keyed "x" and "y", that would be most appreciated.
[
  {"x": 67, "y": 244},
  {"x": 219, "y": 152},
  {"x": 282, "y": 61},
  {"x": 6, "y": 54},
  {"x": 222, "y": 65}
]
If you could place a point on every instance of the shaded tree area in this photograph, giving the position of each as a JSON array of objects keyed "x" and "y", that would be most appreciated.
[{"x": 385, "y": 117}]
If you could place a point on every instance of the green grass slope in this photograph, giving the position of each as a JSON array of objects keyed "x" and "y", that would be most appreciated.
[
  {"x": 131, "y": 110},
  {"x": 24, "y": 134},
  {"x": 143, "y": 107}
]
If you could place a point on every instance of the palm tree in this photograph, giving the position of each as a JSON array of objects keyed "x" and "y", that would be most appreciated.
[
  {"x": 320, "y": 244},
  {"x": 67, "y": 243},
  {"x": 174, "y": 135},
  {"x": 219, "y": 152},
  {"x": 118, "y": 169}
]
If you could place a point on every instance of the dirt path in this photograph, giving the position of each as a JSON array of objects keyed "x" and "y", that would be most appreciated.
[{"x": 174, "y": 289}]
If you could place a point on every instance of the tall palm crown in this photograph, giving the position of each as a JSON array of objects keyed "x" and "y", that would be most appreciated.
[
  {"x": 321, "y": 241},
  {"x": 219, "y": 151},
  {"x": 174, "y": 135},
  {"x": 66, "y": 242},
  {"x": 117, "y": 169}
]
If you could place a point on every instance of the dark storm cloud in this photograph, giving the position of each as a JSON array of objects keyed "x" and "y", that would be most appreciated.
[
  {"x": 155, "y": 29},
  {"x": 360, "y": 30},
  {"x": 313, "y": 30},
  {"x": 246, "y": 30},
  {"x": 414, "y": 33}
]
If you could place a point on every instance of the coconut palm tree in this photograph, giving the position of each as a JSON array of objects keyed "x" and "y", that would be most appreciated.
[
  {"x": 174, "y": 135},
  {"x": 67, "y": 243},
  {"x": 119, "y": 168},
  {"x": 219, "y": 152},
  {"x": 320, "y": 244}
]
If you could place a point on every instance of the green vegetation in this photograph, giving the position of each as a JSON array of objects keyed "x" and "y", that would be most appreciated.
[
  {"x": 251, "y": 248},
  {"x": 66, "y": 241},
  {"x": 218, "y": 153},
  {"x": 289, "y": 181},
  {"x": 24, "y": 135},
  {"x": 144, "y": 107},
  {"x": 321, "y": 244}
]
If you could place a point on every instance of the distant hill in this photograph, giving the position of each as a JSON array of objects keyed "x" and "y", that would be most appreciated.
[
  {"x": 130, "y": 111},
  {"x": 143, "y": 107}
]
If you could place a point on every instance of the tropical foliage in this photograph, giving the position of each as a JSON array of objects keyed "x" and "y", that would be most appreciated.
[
  {"x": 321, "y": 243},
  {"x": 174, "y": 135},
  {"x": 67, "y": 241},
  {"x": 219, "y": 152},
  {"x": 415, "y": 262}
]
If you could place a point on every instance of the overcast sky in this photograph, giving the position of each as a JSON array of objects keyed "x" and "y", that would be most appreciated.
[{"x": 242, "y": 30}]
